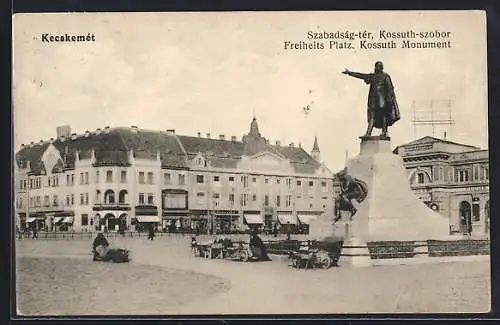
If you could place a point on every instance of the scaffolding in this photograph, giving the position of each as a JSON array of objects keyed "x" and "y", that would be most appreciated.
[{"x": 433, "y": 113}]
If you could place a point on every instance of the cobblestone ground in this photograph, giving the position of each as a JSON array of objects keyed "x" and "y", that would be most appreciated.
[{"x": 164, "y": 278}]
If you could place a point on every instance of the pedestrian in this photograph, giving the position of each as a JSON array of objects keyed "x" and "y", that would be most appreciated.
[
  {"x": 151, "y": 235},
  {"x": 35, "y": 233}
]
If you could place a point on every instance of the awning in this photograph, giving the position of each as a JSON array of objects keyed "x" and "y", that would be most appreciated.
[
  {"x": 68, "y": 220},
  {"x": 253, "y": 219},
  {"x": 287, "y": 218},
  {"x": 148, "y": 219},
  {"x": 306, "y": 218},
  {"x": 58, "y": 219}
]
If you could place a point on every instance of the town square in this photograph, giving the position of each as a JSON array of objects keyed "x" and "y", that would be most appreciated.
[{"x": 181, "y": 180}]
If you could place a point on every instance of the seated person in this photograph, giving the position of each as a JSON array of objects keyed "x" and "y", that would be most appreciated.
[
  {"x": 100, "y": 245},
  {"x": 258, "y": 248}
]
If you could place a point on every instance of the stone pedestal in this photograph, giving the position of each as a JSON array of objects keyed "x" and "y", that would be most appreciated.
[
  {"x": 355, "y": 253},
  {"x": 391, "y": 211}
]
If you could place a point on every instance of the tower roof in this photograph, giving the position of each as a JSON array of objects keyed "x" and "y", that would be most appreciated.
[
  {"x": 315, "y": 146},
  {"x": 254, "y": 128}
]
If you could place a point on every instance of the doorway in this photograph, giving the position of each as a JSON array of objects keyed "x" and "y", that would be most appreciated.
[{"x": 465, "y": 213}]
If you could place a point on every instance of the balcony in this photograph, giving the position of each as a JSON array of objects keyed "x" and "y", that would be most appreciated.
[{"x": 99, "y": 206}]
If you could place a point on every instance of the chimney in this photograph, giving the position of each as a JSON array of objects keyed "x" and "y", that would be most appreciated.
[
  {"x": 199, "y": 134},
  {"x": 233, "y": 138},
  {"x": 41, "y": 141},
  {"x": 171, "y": 131},
  {"x": 63, "y": 131},
  {"x": 208, "y": 135},
  {"x": 63, "y": 139},
  {"x": 444, "y": 136},
  {"x": 292, "y": 145},
  {"x": 222, "y": 137},
  {"x": 51, "y": 140},
  {"x": 278, "y": 143},
  {"x": 134, "y": 128},
  {"x": 87, "y": 133},
  {"x": 300, "y": 145},
  {"x": 73, "y": 136},
  {"x": 32, "y": 143},
  {"x": 106, "y": 129},
  {"x": 22, "y": 145}
]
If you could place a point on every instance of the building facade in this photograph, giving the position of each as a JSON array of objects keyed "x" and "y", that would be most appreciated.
[
  {"x": 124, "y": 178},
  {"x": 452, "y": 179}
]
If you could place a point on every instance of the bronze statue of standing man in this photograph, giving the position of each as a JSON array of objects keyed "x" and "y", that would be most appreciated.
[{"x": 383, "y": 108}]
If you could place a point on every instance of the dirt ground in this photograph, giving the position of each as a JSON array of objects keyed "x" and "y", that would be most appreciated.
[{"x": 58, "y": 277}]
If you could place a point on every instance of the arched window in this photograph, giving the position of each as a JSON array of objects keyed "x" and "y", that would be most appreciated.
[
  {"x": 122, "y": 197},
  {"x": 109, "y": 197}
]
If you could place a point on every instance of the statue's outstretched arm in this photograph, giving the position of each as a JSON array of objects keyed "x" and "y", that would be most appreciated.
[{"x": 358, "y": 75}]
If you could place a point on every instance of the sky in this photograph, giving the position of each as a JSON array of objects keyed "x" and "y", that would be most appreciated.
[{"x": 212, "y": 72}]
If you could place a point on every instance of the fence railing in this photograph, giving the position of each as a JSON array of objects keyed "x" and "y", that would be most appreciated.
[{"x": 281, "y": 246}]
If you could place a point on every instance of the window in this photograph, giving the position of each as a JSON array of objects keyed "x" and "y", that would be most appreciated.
[
  {"x": 72, "y": 199},
  {"x": 231, "y": 199},
  {"x": 46, "y": 201},
  {"x": 323, "y": 186},
  {"x": 200, "y": 179},
  {"x": 86, "y": 198},
  {"x": 420, "y": 178},
  {"x": 86, "y": 177},
  {"x": 150, "y": 178},
  {"x": 244, "y": 199},
  {"x": 31, "y": 183},
  {"x": 98, "y": 196},
  {"x": 67, "y": 199},
  {"x": 266, "y": 180},
  {"x": 463, "y": 175},
  {"x": 266, "y": 200},
  {"x": 97, "y": 174},
  {"x": 278, "y": 200},
  {"x": 141, "y": 178},
  {"x": 85, "y": 219},
  {"x": 174, "y": 201},
  {"x": 299, "y": 183},
  {"x": 166, "y": 179},
  {"x": 216, "y": 196},
  {"x": 182, "y": 179},
  {"x": 81, "y": 198},
  {"x": 244, "y": 180},
  {"x": 48, "y": 181},
  {"x": 231, "y": 178},
  {"x": 200, "y": 194},
  {"x": 254, "y": 197},
  {"x": 31, "y": 202},
  {"x": 68, "y": 182},
  {"x": 288, "y": 201},
  {"x": 150, "y": 198},
  {"x": 72, "y": 179},
  {"x": 289, "y": 182},
  {"x": 109, "y": 176},
  {"x": 141, "y": 198},
  {"x": 123, "y": 176},
  {"x": 311, "y": 183},
  {"x": 216, "y": 179},
  {"x": 254, "y": 179}
]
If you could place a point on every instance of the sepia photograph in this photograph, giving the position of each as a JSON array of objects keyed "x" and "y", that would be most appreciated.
[{"x": 250, "y": 163}]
